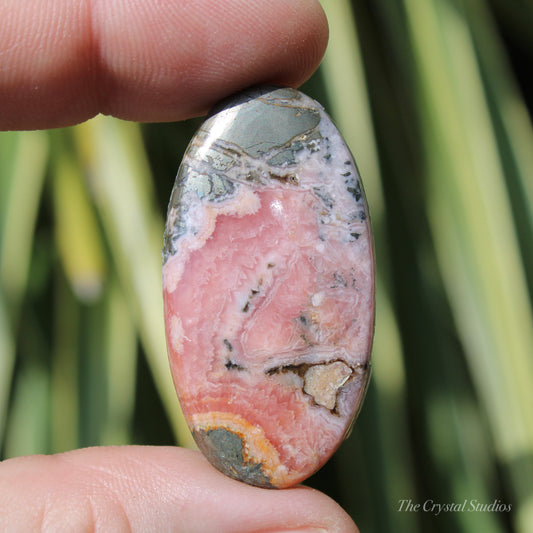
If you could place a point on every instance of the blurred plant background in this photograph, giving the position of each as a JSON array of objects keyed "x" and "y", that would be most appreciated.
[{"x": 432, "y": 97}]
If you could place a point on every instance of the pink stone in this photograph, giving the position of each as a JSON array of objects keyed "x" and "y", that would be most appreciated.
[{"x": 269, "y": 287}]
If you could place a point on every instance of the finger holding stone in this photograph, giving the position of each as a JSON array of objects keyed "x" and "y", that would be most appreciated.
[
  {"x": 135, "y": 488},
  {"x": 63, "y": 62}
]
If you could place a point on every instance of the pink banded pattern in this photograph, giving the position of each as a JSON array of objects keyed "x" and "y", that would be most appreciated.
[{"x": 268, "y": 283}]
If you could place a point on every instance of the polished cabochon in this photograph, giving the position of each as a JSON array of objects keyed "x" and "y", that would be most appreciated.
[{"x": 268, "y": 285}]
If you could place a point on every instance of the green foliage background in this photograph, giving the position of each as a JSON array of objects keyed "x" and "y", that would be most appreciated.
[{"x": 428, "y": 100}]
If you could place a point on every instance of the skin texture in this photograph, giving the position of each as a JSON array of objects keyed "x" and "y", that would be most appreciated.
[
  {"x": 149, "y": 489},
  {"x": 62, "y": 62}
]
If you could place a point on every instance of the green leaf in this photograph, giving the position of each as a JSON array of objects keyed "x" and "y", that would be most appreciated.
[{"x": 119, "y": 172}]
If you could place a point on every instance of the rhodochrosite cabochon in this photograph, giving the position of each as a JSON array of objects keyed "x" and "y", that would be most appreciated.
[{"x": 268, "y": 283}]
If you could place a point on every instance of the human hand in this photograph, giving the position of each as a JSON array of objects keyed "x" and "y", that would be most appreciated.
[
  {"x": 62, "y": 62},
  {"x": 136, "y": 488}
]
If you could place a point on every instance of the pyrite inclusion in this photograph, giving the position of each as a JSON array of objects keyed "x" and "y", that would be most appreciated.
[{"x": 268, "y": 283}]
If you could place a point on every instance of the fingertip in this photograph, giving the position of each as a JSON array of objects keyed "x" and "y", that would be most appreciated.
[
  {"x": 148, "y": 61},
  {"x": 203, "y": 53},
  {"x": 136, "y": 488}
]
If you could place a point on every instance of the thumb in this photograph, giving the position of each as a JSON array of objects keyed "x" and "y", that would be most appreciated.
[{"x": 134, "y": 488}]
